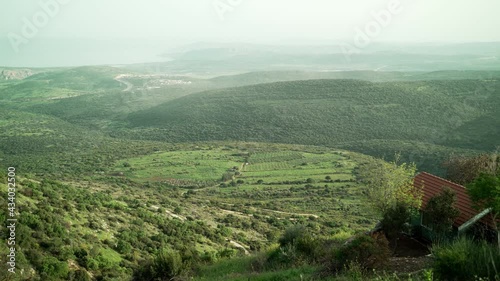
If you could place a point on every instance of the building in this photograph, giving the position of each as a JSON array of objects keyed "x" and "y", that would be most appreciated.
[{"x": 469, "y": 220}]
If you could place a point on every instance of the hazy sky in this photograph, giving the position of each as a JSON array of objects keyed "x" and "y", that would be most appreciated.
[{"x": 260, "y": 21}]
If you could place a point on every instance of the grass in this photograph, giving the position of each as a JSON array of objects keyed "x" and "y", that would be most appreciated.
[
  {"x": 196, "y": 165},
  {"x": 240, "y": 269},
  {"x": 467, "y": 259},
  {"x": 110, "y": 255},
  {"x": 208, "y": 164}
]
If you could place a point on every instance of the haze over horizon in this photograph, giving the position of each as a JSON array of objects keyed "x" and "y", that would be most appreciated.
[{"x": 90, "y": 32}]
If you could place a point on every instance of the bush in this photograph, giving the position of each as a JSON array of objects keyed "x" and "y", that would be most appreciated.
[
  {"x": 296, "y": 247},
  {"x": 284, "y": 257},
  {"x": 123, "y": 247},
  {"x": 369, "y": 252},
  {"x": 302, "y": 241},
  {"x": 166, "y": 265},
  {"x": 465, "y": 259},
  {"x": 227, "y": 253},
  {"x": 292, "y": 234},
  {"x": 53, "y": 268},
  {"x": 394, "y": 220},
  {"x": 79, "y": 275}
]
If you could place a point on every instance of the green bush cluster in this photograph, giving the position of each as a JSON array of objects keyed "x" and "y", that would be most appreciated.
[
  {"x": 369, "y": 252},
  {"x": 465, "y": 259}
]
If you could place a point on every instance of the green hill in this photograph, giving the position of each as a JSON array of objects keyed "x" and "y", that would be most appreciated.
[
  {"x": 108, "y": 175},
  {"x": 252, "y": 78},
  {"x": 107, "y": 224},
  {"x": 333, "y": 113},
  {"x": 384, "y": 113}
]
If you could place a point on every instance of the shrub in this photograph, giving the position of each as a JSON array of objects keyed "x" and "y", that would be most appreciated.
[
  {"x": 208, "y": 257},
  {"x": 123, "y": 247},
  {"x": 465, "y": 259},
  {"x": 296, "y": 247},
  {"x": 53, "y": 268},
  {"x": 284, "y": 257},
  {"x": 92, "y": 264},
  {"x": 226, "y": 253},
  {"x": 166, "y": 265},
  {"x": 394, "y": 220},
  {"x": 369, "y": 252},
  {"x": 292, "y": 234},
  {"x": 79, "y": 275},
  {"x": 227, "y": 176}
]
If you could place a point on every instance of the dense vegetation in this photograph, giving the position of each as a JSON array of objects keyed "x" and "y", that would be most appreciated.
[
  {"x": 154, "y": 177},
  {"x": 347, "y": 113},
  {"x": 112, "y": 227}
]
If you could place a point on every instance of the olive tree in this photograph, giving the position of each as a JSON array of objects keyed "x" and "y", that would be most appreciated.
[{"x": 390, "y": 183}]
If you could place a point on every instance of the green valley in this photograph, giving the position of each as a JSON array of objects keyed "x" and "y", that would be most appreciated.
[{"x": 125, "y": 172}]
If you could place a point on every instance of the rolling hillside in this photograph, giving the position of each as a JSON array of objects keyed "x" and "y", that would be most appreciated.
[
  {"x": 333, "y": 113},
  {"x": 379, "y": 114},
  {"x": 111, "y": 171},
  {"x": 107, "y": 223}
]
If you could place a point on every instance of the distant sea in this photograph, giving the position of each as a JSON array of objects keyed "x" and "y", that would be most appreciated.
[{"x": 47, "y": 52}]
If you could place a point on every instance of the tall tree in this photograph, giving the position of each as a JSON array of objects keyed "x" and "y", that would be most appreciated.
[
  {"x": 441, "y": 211},
  {"x": 485, "y": 192}
]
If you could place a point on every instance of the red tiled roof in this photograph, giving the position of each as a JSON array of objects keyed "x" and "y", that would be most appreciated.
[{"x": 434, "y": 185}]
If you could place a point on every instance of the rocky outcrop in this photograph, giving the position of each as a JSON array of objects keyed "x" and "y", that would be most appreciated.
[{"x": 15, "y": 74}]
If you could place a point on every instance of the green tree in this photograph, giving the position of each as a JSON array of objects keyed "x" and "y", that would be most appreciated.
[
  {"x": 167, "y": 264},
  {"x": 53, "y": 268},
  {"x": 123, "y": 247},
  {"x": 441, "y": 211},
  {"x": 395, "y": 219},
  {"x": 463, "y": 170},
  {"x": 388, "y": 183},
  {"x": 485, "y": 192}
]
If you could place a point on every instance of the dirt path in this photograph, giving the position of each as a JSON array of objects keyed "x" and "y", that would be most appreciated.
[
  {"x": 264, "y": 210},
  {"x": 293, "y": 214},
  {"x": 240, "y": 246},
  {"x": 170, "y": 213},
  {"x": 235, "y": 213},
  {"x": 405, "y": 265}
]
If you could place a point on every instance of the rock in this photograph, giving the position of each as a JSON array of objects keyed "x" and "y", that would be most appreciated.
[{"x": 15, "y": 74}]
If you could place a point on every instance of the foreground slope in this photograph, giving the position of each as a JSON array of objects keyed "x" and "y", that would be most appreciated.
[{"x": 106, "y": 224}]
